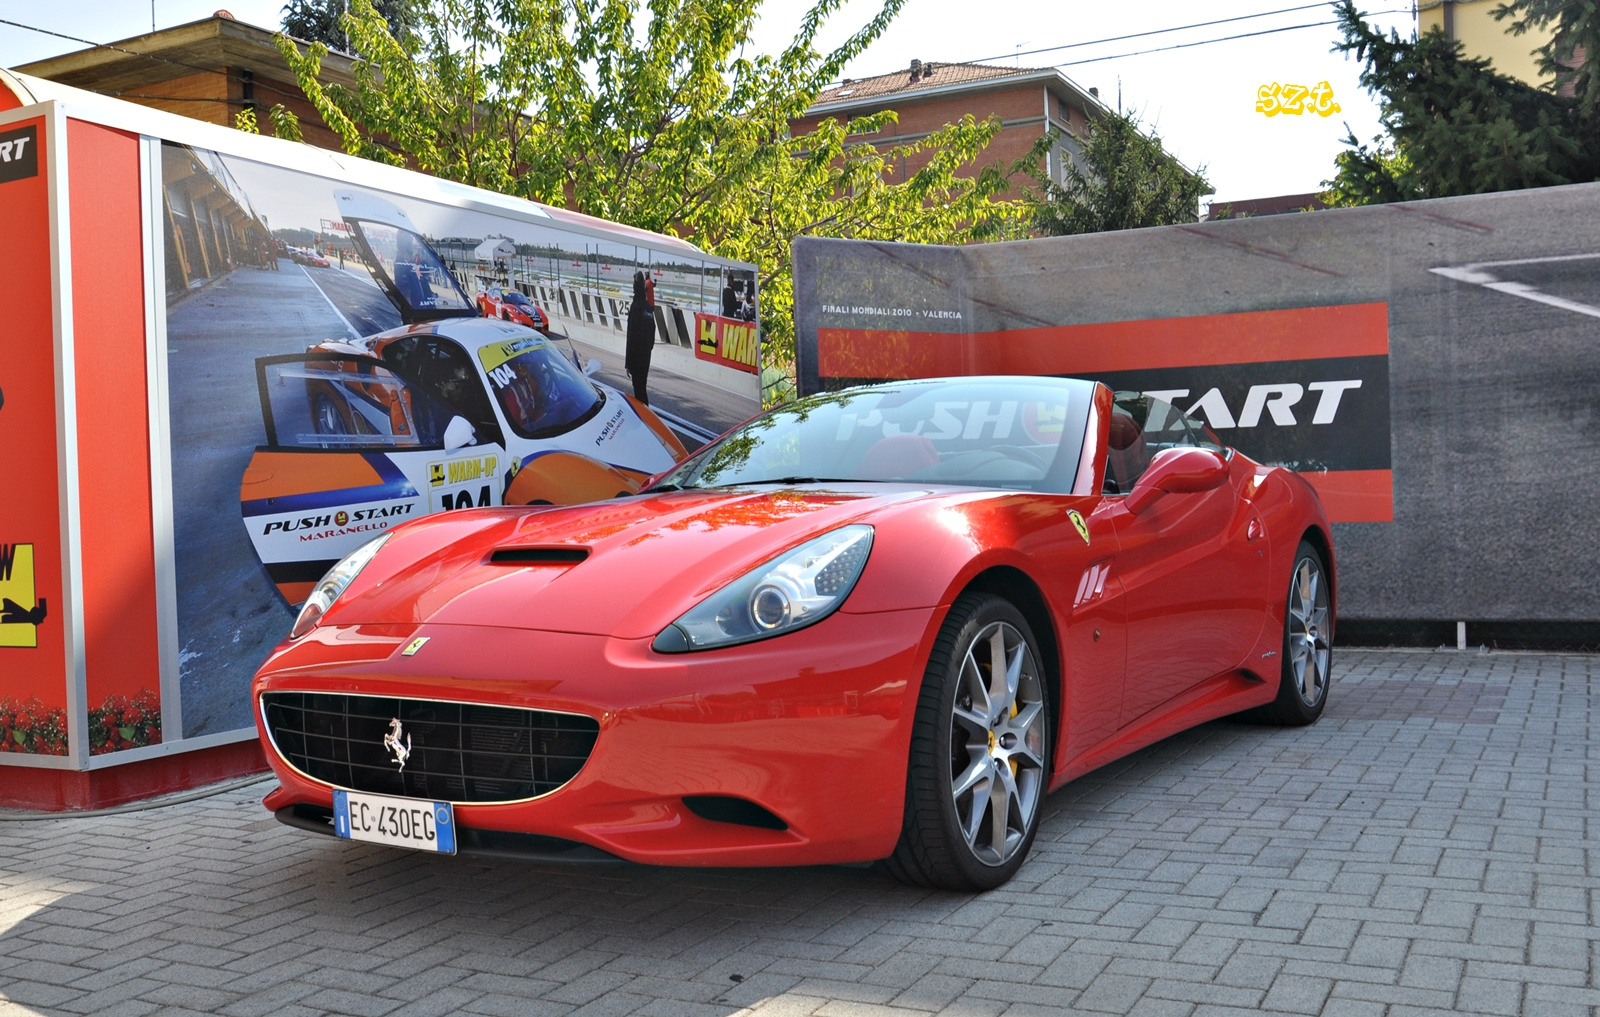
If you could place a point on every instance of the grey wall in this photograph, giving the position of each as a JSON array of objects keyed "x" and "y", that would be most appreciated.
[{"x": 1494, "y": 369}]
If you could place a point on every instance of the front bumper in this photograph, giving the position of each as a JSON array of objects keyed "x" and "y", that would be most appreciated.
[{"x": 813, "y": 727}]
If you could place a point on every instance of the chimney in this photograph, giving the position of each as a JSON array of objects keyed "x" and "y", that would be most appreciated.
[
  {"x": 1095, "y": 92},
  {"x": 916, "y": 70}
]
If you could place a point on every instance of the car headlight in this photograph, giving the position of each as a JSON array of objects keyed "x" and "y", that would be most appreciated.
[
  {"x": 801, "y": 588},
  {"x": 331, "y": 585}
]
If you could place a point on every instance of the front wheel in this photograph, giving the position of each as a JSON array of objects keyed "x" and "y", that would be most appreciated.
[
  {"x": 327, "y": 416},
  {"x": 980, "y": 750},
  {"x": 1307, "y": 644}
]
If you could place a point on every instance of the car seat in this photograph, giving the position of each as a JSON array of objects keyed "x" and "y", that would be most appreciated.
[
  {"x": 1128, "y": 456},
  {"x": 897, "y": 457}
]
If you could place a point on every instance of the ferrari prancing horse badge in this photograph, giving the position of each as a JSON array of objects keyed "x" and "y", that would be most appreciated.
[{"x": 1079, "y": 524}]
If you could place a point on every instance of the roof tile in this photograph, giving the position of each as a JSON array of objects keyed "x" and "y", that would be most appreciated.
[{"x": 900, "y": 82}]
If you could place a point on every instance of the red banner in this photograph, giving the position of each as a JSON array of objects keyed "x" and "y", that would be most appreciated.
[{"x": 726, "y": 341}]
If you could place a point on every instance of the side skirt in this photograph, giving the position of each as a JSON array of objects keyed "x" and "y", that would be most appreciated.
[{"x": 1216, "y": 697}]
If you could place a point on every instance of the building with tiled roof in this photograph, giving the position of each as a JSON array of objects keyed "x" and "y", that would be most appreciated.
[
  {"x": 926, "y": 96},
  {"x": 208, "y": 69}
]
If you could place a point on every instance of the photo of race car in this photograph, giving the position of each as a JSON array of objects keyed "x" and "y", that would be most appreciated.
[
  {"x": 510, "y": 304},
  {"x": 307, "y": 256},
  {"x": 874, "y": 624},
  {"x": 451, "y": 410}
]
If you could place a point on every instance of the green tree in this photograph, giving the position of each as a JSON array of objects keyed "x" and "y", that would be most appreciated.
[
  {"x": 285, "y": 124},
  {"x": 323, "y": 20},
  {"x": 1454, "y": 125},
  {"x": 1370, "y": 176},
  {"x": 654, "y": 117},
  {"x": 1122, "y": 179},
  {"x": 1573, "y": 53}
]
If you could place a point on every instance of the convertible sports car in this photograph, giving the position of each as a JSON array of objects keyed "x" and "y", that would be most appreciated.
[
  {"x": 449, "y": 411},
  {"x": 879, "y": 623},
  {"x": 512, "y": 305}
]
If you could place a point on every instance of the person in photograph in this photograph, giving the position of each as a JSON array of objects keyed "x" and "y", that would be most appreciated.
[
  {"x": 641, "y": 337},
  {"x": 730, "y": 297}
]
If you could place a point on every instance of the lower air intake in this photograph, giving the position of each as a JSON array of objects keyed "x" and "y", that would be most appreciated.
[{"x": 456, "y": 752}]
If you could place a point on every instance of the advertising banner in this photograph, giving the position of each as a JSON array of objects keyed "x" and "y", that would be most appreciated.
[
  {"x": 1430, "y": 367},
  {"x": 33, "y": 686},
  {"x": 343, "y": 359},
  {"x": 1322, "y": 408},
  {"x": 727, "y": 342}
]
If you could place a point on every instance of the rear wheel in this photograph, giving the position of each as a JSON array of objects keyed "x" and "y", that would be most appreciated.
[
  {"x": 1307, "y": 646},
  {"x": 980, "y": 747}
]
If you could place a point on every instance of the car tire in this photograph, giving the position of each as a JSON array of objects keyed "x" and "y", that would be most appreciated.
[
  {"x": 1307, "y": 645},
  {"x": 328, "y": 417},
  {"x": 980, "y": 752}
]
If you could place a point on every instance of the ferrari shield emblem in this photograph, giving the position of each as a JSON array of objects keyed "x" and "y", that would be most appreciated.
[
  {"x": 1079, "y": 524},
  {"x": 413, "y": 646}
]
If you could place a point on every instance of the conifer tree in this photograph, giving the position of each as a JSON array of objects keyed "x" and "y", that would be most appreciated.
[
  {"x": 1123, "y": 179},
  {"x": 1570, "y": 54},
  {"x": 1454, "y": 124}
]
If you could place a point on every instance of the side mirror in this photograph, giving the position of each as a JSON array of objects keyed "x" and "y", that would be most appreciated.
[
  {"x": 458, "y": 434},
  {"x": 1175, "y": 470},
  {"x": 592, "y": 368}
]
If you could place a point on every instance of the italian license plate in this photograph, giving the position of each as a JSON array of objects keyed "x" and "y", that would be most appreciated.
[{"x": 398, "y": 822}]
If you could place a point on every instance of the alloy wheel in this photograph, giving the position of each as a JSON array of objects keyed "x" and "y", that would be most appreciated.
[
  {"x": 1308, "y": 631},
  {"x": 997, "y": 734}
]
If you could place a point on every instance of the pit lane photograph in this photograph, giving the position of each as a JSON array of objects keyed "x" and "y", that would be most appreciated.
[{"x": 341, "y": 360}]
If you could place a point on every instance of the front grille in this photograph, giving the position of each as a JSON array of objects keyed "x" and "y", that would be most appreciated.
[{"x": 459, "y": 752}]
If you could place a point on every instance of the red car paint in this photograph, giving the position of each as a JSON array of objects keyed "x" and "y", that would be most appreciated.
[
  {"x": 1154, "y": 622},
  {"x": 497, "y": 302}
]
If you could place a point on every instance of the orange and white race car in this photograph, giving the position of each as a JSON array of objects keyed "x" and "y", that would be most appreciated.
[{"x": 450, "y": 410}]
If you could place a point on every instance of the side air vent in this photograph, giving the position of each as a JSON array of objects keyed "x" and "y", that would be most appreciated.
[
  {"x": 738, "y": 811},
  {"x": 538, "y": 555}
]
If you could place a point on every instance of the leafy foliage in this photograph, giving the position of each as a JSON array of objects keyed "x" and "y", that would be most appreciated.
[
  {"x": 653, "y": 117},
  {"x": 323, "y": 20},
  {"x": 1456, "y": 126},
  {"x": 1370, "y": 176},
  {"x": 1126, "y": 181},
  {"x": 1571, "y": 53},
  {"x": 285, "y": 124}
]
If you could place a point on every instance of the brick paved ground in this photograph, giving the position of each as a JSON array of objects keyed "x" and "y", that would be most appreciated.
[{"x": 1425, "y": 849}]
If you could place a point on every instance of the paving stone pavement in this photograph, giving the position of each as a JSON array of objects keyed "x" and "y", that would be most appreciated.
[{"x": 1425, "y": 849}]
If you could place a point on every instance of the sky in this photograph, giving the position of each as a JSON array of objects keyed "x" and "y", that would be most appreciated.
[{"x": 1201, "y": 100}]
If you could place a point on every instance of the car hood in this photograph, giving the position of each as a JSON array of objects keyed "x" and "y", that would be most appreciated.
[{"x": 648, "y": 560}]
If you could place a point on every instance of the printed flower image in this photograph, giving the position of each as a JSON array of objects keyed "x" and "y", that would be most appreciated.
[
  {"x": 121, "y": 723},
  {"x": 32, "y": 727}
]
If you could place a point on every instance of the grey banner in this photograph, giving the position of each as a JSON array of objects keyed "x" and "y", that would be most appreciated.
[{"x": 1493, "y": 366}]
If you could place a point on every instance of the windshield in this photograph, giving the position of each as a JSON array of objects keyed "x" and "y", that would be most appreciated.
[
  {"x": 1020, "y": 433},
  {"x": 539, "y": 390},
  {"x": 516, "y": 297},
  {"x": 420, "y": 279}
]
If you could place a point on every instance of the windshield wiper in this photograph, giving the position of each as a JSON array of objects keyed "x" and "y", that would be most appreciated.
[{"x": 791, "y": 480}]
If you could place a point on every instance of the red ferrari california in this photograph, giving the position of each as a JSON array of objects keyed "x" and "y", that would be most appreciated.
[{"x": 874, "y": 624}]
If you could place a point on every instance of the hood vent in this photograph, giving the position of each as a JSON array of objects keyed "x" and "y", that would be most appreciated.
[{"x": 538, "y": 555}]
